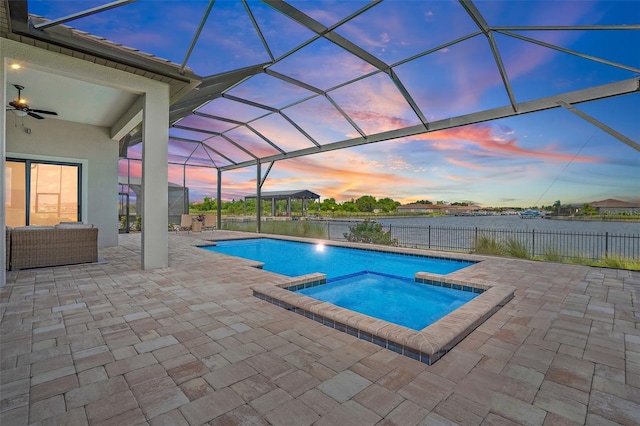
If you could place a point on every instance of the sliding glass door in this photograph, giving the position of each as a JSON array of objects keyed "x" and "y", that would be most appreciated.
[
  {"x": 42, "y": 193},
  {"x": 15, "y": 201}
]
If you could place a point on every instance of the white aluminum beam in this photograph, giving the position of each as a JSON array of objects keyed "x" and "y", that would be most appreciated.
[
  {"x": 78, "y": 15},
  {"x": 633, "y": 144},
  {"x": 580, "y": 96}
]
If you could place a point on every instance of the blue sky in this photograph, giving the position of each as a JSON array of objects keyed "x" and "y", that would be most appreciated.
[{"x": 525, "y": 160}]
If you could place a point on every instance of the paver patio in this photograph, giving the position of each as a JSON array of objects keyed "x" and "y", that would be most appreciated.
[{"x": 112, "y": 344}]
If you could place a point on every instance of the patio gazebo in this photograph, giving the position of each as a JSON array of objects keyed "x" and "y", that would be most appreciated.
[{"x": 276, "y": 196}]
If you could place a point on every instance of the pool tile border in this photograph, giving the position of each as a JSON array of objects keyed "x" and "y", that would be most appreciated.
[{"x": 427, "y": 345}]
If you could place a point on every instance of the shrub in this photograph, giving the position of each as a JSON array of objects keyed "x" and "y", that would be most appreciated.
[
  {"x": 370, "y": 232},
  {"x": 516, "y": 248},
  {"x": 552, "y": 255},
  {"x": 485, "y": 244},
  {"x": 618, "y": 262}
]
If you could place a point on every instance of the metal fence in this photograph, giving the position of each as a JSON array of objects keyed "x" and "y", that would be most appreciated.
[
  {"x": 531, "y": 243},
  {"x": 553, "y": 245}
]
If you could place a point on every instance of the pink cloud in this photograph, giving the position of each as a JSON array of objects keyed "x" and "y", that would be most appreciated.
[
  {"x": 457, "y": 178},
  {"x": 483, "y": 137},
  {"x": 467, "y": 164}
]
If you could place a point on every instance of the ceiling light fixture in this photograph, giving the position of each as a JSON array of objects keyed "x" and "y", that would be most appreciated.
[
  {"x": 15, "y": 66},
  {"x": 19, "y": 112}
]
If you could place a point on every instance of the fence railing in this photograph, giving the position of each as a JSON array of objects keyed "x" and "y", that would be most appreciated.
[{"x": 533, "y": 243}]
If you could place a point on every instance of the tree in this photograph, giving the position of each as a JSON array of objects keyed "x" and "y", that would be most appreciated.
[
  {"x": 366, "y": 203},
  {"x": 206, "y": 205},
  {"x": 588, "y": 210},
  {"x": 236, "y": 207},
  {"x": 349, "y": 206},
  {"x": 387, "y": 204},
  {"x": 556, "y": 206},
  {"x": 423, "y": 202},
  {"x": 328, "y": 204},
  {"x": 370, "y": 232}
]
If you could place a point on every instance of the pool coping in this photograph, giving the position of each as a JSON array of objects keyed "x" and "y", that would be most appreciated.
[{"x": 426, "y": 345}]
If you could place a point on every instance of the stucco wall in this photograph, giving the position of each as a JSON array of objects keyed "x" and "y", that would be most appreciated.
[{"x": 90, "y": 145}]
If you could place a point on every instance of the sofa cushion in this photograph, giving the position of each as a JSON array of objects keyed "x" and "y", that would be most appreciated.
[
  {"x": 73, "y": 225},
  {"x": 32, "y": 228}
]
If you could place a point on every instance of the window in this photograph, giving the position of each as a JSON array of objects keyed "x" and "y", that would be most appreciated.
[{"x": 42, "y": 193}]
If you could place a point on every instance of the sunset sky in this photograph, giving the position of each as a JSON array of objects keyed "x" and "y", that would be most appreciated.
[{"x": 530, "y": 159}]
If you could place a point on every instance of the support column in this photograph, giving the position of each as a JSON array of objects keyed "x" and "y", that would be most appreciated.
[
  {"x": 3, "y": 151},
  {"x": 185, "y": 204},
  {"x": 258, "y": 196},
  {"x": 155, "y": 178},
  {"x": 219, "y": 201}
]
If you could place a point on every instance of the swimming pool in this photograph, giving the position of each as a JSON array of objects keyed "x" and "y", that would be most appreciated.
[
  {"x": 316, "y": 265},
  {"x": 426, "y": 345},
  {"x": 293, "y": 258},
  {"x": 390, "y": 298}
]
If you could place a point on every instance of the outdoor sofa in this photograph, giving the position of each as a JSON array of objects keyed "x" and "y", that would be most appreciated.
[{"x": 40, "y": 246}]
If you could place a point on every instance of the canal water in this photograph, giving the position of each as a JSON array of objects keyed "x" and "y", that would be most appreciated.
[
  {"x": 514, "y": 222},
  {"x": 592, "y": 239}
]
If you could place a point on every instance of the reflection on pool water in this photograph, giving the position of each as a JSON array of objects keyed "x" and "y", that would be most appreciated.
[
  {"x": 292, "y": 258},
  {"x": 398, "y": 300}
]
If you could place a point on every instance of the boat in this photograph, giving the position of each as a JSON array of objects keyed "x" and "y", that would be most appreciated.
[{"x": 529, "y": 214}]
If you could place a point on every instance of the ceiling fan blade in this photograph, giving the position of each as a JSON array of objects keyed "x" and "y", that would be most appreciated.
[
  {"x": 41, "y": 111},
  {"x": 34, "y": 115}
]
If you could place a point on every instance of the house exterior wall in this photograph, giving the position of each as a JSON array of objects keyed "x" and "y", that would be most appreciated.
[
  {"x": 58, "y": 140},
  {"x": 155, "y": 117},
  {"x": 618, "y": 210}
]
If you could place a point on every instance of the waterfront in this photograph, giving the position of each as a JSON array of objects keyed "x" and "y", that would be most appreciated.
[
  {"x": 514, "y": 222},
  {"x": 539, "y": 237}
]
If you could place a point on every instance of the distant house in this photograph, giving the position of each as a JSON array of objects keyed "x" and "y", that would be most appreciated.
[
  {"x": 611, "y": 206},
  {"x": 438, "y": 208}
]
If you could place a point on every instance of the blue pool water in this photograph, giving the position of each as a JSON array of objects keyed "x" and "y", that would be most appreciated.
[
  {"x": 293, "y": 259},
  {"x": 393, "y": 299}
]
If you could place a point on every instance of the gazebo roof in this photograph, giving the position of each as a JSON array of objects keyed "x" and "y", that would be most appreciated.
[{"x": 299, "y": 194}]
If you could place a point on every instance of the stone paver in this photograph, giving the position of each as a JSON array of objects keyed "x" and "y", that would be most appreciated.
[
  {"x": 349, "y": 414},
  {"x": 112, "y": 344},
  {"x": 517, "y": 410},
  {"x": 378, "y": 399},
  {"x": 211, "y": 406},
  {"x": 292, "y": 412},
  {"x": 269, "y": 401},
  {"x": 344, "y": 386}
]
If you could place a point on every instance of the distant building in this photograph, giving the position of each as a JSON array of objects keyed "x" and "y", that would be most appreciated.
[
  {"x": 438, "y": 208},
  {"x": 611, "y": 206}
]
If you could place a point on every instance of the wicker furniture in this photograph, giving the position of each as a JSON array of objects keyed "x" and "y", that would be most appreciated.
[
  {"x": 39, "y": 246},
  {"x": 7, "y": 247}
]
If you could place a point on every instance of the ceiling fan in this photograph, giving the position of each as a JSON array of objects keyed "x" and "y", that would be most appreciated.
[{"x": 21, "y": 108}]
